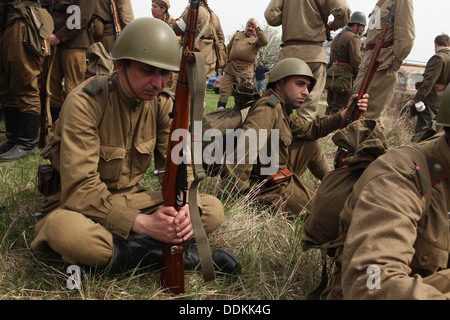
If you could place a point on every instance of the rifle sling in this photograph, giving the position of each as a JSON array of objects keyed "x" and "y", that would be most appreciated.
[{"x": 197, "y": 84}]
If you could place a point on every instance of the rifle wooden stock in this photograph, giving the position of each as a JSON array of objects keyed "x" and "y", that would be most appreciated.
[
  {"x": 353, "y": 113},
  {"x": 174, "y": 186},
  {"x": 115, "y": 16}
]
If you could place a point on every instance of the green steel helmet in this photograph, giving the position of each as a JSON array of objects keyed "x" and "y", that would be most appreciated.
[
  {"x": 358, "y": 17},
  {"x": 443, "y": 117},
  {"x": 290, "y": 67},
  {"x": 150, "y": 41}
]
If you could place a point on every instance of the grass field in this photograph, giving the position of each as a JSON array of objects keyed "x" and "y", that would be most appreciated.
[{"x": 266, "y": 241}]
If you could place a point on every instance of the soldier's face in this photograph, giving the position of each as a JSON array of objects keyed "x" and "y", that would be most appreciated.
[
  {"x": 147, "y": 81},
  {"x": 294, "y": 90}
]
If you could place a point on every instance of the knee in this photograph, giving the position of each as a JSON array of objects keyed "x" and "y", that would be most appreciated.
[{"x": 212, "y": 213}]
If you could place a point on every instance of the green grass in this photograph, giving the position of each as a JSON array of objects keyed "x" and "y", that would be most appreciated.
[{"x": 265, "y": 240}]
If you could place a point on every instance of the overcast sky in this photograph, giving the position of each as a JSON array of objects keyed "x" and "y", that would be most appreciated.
[{"x": 430, "y": 17}]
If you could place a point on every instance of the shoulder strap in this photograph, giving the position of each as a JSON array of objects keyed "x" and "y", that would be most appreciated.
[{"x": 203, "y": 29}]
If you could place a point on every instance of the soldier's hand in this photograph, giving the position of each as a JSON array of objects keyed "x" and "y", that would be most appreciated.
[
  {"x": 166, "y": 224},
  {"x": 362, "y": 104}
]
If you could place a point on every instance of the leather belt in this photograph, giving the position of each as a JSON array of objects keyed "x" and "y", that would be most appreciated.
[
  {"x": 300, "y": 43},
  {"x": 60, "y": 15},
  {"x": 340, "y": 63},
  {"x": 242, "y": 62},
  {"x": 385, "y": 45}
]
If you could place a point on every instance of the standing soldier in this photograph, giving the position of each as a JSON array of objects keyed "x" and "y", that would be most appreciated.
[
  {"x": 21, "y": 59},
  {"x": 305, "y": 27},
  {"x": 103, "y": 24},
  {"x": 392, "y": 54},
  {"x": 207, "y": 26},
  {"x": 70, "y": 41},
  {"x": 345, "y": 57},
  {"x": 435, "y": 80},
  {"x": 242, "y": 51}
]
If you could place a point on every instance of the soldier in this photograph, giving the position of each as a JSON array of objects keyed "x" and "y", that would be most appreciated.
[
  {"x": 207, "y": 26},
  {"x": 102, "y": 215},
  {"x": 395, "y": 225},
  {"x": 392, "y": 54},
  {"x": 160, "y": 10},
  {"x": 20, "y": 67},
  {"x": 304, "y": 29},
  {"x": 289, "y": 84},
  {"x": 435, "y": 79},
  {"x": 345, "y": 57},
  {"x": 242, "y": 51},
  {"x": 70, "y": 41},
  {"x": 103, "y": 25}
]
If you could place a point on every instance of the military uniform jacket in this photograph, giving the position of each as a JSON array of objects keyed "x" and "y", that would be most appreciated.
[
  {"x": 346, "y": 47},
  {"x": 268, "y": 113},
  {"x": 104, "y": 150},
  {"x": 73, "y": 37},
  {"x": 206, "y": 42},
  {"x": 401, "y": 33},
  {"x": 389, "y": 225},
  {"x": 103, "y": 11},
  {"x": 437, "y": 71},
  {"x": 304, "y": 21},
  {"x": 244, "y": 48}
]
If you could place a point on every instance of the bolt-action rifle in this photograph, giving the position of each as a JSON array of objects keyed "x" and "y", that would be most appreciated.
[
  {"x": 115, "y": 16},
  {"x": 174, "y": 187},
  {"x": 353, "y": 113}
]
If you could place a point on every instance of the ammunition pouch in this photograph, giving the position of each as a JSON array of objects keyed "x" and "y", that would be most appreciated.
[
  {"x": 279, "y": 177},
  {"x": 49, "y": 181}
]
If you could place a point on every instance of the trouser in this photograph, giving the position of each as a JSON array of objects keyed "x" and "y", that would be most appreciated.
[
  {"x": 380, "y": 91},
  {"x": 69, "y": 66},
  {"x": 425, "y": 126},
  {"x": 81, "y": 240},
  {"x": 226, "y": 87},
  {"x": 336, "y": 102},
  {"x": 19, "y": 71}
]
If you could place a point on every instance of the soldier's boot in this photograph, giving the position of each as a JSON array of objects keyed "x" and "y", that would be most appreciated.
[
  {"x": 221, "y": 105},
  {"x": 27, "y": 137},
  {"x": 144, "y": 252},
  {"x": 11, "y": 127}
]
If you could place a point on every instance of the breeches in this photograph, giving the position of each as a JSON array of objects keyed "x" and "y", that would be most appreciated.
[
  {"x": 19, "y": 71},
  {"x": 79, "y": 239}
]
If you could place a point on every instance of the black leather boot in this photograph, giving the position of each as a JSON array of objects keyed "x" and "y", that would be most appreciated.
[
  {"x": 136, "y": 251},
  {"x": 27, "y": 138},
  {"x": 221, "y": 105},
  {"x": 11, "y": 127},
  {"x": 224, "y": 261}
]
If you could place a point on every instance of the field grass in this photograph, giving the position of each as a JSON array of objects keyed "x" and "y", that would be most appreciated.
[{"x": 266, "y": 241}]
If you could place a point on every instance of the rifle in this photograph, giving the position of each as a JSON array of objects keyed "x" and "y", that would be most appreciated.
[
  {"x": 174, "y": 187},
  {"x": 115, "y": 16},
  {"x": 353, "y": 113}
]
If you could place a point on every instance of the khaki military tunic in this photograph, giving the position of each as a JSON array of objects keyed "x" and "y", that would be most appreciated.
[
  {"x": 206, "y": 42},
  {"x": 298, "y": 150},
  {"x": 103, "y": 12},
  {"x": 389, "y": 228},
  {"x": 435, "y": 80},
  {"x": 242, "y": 52},
  {"x": 303, "y": 23},
  {"x": 102, "y": 148},
  {"x": 399, "y": 42}
]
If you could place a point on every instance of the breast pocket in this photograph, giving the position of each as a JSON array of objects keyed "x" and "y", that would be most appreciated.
[
  {"x": 111, "y": 161},
  {"x": 143, "y": 157}
]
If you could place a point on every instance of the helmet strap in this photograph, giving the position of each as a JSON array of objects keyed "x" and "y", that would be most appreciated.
[{"x": 127, "y": 79}]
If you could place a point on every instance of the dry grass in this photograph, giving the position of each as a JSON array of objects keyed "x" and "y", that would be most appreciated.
[{"x": 266, "y": 241}]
